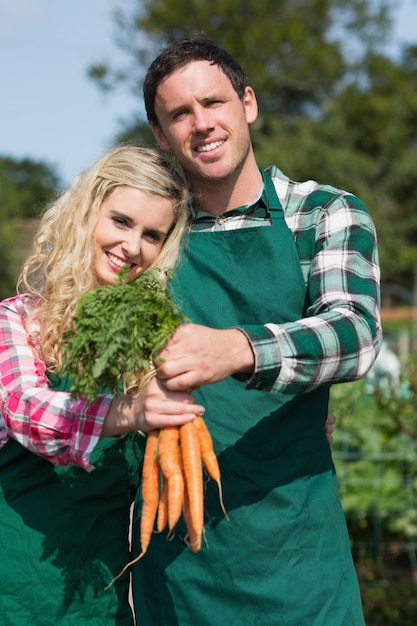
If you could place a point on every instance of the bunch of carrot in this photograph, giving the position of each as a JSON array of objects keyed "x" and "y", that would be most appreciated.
[{"x": 173, "y": 482}]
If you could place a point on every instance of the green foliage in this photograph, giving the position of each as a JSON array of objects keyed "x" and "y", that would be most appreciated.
[
  {"x": 377, "y": 115},
  {"x": 388, "y": 596},
  {"x": 375, "y": 456},
  {"x": 8, "y": 258},
  {"x": 398, "y": 402},
  {"x": 25, "y": 187},
  {"x": 365, "y": 140},
  {"x": 332, "y": 106},
  {"x": 118, "y": 332},
  {"x": 289, "y": 49}
]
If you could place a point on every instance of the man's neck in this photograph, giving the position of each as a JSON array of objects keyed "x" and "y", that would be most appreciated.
[{"x": 218, "y": 196}]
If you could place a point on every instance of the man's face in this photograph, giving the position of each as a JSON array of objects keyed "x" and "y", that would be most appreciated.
[{"x": 203, "y": 121}]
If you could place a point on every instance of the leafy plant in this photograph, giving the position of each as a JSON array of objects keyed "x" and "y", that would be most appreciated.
[
  {"x": 398, "y": 400},
  {"x": 118, "y": 330}
]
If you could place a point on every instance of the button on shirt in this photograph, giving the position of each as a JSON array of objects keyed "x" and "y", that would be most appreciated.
[{"x": 253, "y": 214}]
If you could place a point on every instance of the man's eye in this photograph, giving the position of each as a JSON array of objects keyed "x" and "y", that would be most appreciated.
[{"x": 179, "y": 114}]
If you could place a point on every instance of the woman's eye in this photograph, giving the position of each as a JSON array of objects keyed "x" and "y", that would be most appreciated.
[
  {"x": 120, "y": 221},
  {"x": 154, "y": 236}
]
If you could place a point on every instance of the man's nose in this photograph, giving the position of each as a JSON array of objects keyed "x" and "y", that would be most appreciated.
[{"x": 203, "y": 120}]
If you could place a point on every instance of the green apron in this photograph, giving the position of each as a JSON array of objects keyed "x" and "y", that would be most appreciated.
[
  {"x": 64, "y": 535},
  {"x": 284, "y": 557}
]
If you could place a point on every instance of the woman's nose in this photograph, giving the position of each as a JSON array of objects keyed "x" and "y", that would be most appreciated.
[{"x": 132, "y": 244}]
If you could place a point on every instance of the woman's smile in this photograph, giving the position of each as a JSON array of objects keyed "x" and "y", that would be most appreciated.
[{"x": 131, "y": 229}]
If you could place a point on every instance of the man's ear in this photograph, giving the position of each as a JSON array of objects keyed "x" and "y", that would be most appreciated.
[
  {"x": 160, "y": 138},
  {"x": 250, "y": 104}
]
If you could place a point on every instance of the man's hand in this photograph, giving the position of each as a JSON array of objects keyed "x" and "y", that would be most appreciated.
[
  {"x": 328, "y": 428},
  {"x": 198, "y": 355}
]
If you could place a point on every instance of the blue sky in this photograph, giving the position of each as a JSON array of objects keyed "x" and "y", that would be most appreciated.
[{"x": 49, "y": 109}]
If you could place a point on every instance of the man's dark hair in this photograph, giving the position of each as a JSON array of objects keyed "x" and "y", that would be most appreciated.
[{"x": 178, "y": 54}]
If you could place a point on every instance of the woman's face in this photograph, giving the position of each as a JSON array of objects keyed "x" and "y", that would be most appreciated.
[{"x": 131, "y": 229}]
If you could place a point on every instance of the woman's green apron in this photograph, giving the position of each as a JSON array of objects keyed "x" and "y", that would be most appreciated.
[
  {"x": 64, "y": 535},
  {"x": 284, "y": 556}
]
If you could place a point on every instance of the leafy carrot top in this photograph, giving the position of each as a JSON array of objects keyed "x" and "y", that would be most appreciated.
[{"x": 118, "y": 330}]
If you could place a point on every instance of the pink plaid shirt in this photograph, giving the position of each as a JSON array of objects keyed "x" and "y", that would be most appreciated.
[{"x": 46, "y": 422}]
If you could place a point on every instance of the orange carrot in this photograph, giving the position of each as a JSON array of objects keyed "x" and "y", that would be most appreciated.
[
  {"x": 209, "y": 457},
  {"x": 169, "y": 457},
  {"x": 193, "y": 473},
  {"x": 176, "y": 454},
  {"x": 150, "y": 492},
  {"x": 193, "y": 539},
  {"x": 162, "y": 518}
]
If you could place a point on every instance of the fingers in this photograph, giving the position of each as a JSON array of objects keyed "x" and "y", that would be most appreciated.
[
  {"x": 181, "y": 385},
  {"x": 176, "y": 417},
  {"x": 328, "y": 428},
  {"x": 171, "y": 406},
  {"x": 198, "y": 355},
  {"x": 163, "y": 407},
  {"x": 181, "y": 382},
  {"x": 331, "y": 419}
]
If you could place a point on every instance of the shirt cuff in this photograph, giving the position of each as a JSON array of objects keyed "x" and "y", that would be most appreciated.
[
  {"x": 267, "y": 357},
  {"x": 88, "y": 420}
]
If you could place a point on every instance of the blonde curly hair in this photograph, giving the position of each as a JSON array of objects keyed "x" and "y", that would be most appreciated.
[{"x": 60, "y": 268}]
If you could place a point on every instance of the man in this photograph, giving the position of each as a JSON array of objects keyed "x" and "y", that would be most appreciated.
[{"x": 280, "y": 280}]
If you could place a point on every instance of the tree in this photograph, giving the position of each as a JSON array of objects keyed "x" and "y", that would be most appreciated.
[
  {"x": 365, "y": 139},
  {"x": 9, "y": 233},
  {"x": 376, "y": 460},
  {"x": 379, "y": 114},
  {"x": 294, "y": 52},
  {"x": 25, "y": 187},
  {"x": 332, "y": 106}
]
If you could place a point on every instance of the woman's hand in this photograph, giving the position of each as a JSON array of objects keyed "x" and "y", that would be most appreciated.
[{"x": 154, "y": 407}]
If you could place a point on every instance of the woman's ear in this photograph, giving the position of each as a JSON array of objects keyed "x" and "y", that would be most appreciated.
[{"x": 160, "y": 138}]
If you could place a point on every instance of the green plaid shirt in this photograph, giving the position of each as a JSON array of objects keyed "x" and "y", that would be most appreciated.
[{"x": 340, "y": 335}]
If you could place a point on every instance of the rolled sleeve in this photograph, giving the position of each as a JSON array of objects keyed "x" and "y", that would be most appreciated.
[{"x": 47, "y": 422}]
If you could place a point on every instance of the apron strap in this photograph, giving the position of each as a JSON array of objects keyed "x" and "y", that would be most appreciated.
[{"x": 270, "y": 197}]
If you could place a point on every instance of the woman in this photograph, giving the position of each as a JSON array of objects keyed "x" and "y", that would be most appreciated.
[{"x": 67, "y": 475}]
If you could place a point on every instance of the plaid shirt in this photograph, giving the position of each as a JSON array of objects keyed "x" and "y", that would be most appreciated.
[
  {"x": 340, "y": 335},
  {"x": 337, "y": 341},
  {"x": 46, "y": 422}
]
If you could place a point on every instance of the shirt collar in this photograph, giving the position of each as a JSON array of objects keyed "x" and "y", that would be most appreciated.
[{"x": 258, "y": 205}]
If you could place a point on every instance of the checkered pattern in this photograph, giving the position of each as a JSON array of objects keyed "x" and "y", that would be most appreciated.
[
  {"x": 46, "y": 422},
  {"x": 340, "y": 335}
]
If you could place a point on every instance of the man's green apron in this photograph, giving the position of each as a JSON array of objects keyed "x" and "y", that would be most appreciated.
[
  {"x": 64, "y": 535},
  {"x": 284, "y": 556}
]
